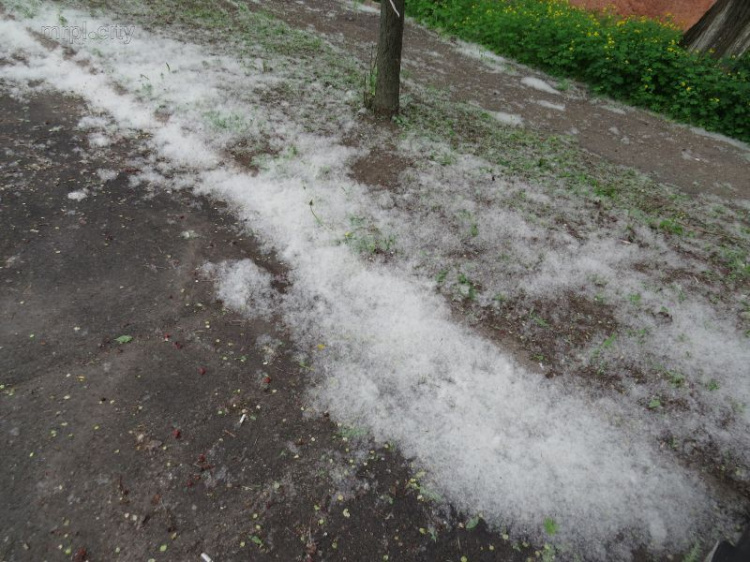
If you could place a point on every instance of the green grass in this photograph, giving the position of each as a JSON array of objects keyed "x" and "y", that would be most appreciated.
[
  {"x": 466, "y": 287},
  {"x": 24, "y": 8},
  {"x": 558, "y": 164},
  {"x": 226, "y": 121},
  {"x": 637, "y": 60},
  {"x": 367, "y": 239}
]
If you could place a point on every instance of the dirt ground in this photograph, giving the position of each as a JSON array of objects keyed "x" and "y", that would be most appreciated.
[
  {"x": 670, "y": 153},
  {"x": 192, "y": 437}
]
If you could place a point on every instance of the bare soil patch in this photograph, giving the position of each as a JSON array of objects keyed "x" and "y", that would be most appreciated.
[{"x": 191, "y": 437}]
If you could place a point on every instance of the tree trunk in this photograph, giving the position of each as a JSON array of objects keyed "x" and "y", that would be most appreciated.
[
  {"x": 390, "y": 38},
  {"x": 723, "y": 31}
]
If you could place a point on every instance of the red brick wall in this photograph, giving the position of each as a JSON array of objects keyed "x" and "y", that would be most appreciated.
[{"x": 684, "y": 12}]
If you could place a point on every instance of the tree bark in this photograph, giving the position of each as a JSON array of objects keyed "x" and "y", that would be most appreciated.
[
  {"x": 723, "y": 31},
  {"x": 390, "y": 39}
]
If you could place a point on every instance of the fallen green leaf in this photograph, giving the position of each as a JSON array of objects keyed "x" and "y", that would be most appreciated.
[{"x": 124, "y": 339}]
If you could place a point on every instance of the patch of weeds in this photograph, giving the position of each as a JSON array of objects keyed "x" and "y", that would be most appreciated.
[
  {"x": 400, "y": 120},
  {"x": 606, "y": 344},
  {"x": 208, "y": 15},
  {"x": 290, "y": 152},
  {"x": 429, "y": 531},
  {"x": 222, "y": 121},
  {"x": 423, "y": 492},
  {"x": 712, "y": 385},
  {"x": 736, "y": 260},
  {"x": 654, "y": 403},
  {"x": 681, "y": 295},
  {"x": 244, "y": 26},
  {"x": 351, "y": 433},
  {"x": 694, "y": 554},
  {"x": 468, "y": 218},
  {"x": 257, "y": 541},
  {"x": 275, "y": 35},
  {"x": 369, "y": 81},
  {"x": 599, "y": 281},
  {"x": 466, "y": 287},
  {"x": 640, "y": 335},
  {"x": 603, "y": 189},
  {"x": 550, "y": 526},
  {"x": 671, "y": 226},
  {"x": 376, "y": 244},
  {"x": 635, "y": 299},
  {"x": 61, "y": 19},
  {"x": 23, "y": 8},
  {"x": 440, "y": 277},
  {"x": 677, "y": 380},
  {"x": 147, "y": 88},
  {"x": 549, "y": 553},
  {"x": 564, "y": 85},
  {"x": 303, "y": 365},
  {"x": 539, "y": 321},
  {"x": 738, "y": 407},
  {"x": 368, "y": 239},
  {"x": 601, "y": 368},
  {"x": 443, "y": 158}
]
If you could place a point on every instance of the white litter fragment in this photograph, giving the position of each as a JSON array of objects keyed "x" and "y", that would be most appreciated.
[
  {"x": 206, "y": 558},
  {"x": 539, "y": 84},
  {"x": 508, "y": 118},
  {"x": 78, "y": 195},
  {"x": 550, "y": 105}
]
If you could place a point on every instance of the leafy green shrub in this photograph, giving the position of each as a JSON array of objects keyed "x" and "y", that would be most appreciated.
[{"x": 638, "y": 60}]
